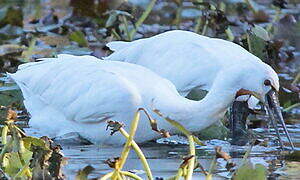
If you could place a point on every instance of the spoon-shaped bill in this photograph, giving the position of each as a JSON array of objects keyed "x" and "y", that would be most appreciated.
[{"x": 273, "y": 108}]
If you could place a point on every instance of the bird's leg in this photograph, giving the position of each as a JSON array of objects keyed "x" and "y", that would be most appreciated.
[
  {"x": 239, "y": 112},
  {"x": 153, "y": 124}
]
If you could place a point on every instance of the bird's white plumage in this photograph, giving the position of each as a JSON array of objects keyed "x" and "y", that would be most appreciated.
[
  {"x": 187, "y": 59},
  {"x": 79, "y": 93}
]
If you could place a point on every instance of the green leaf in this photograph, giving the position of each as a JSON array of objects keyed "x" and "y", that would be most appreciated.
[
  {"x": 261, "y": 32},
  {"x": 250, "y": 172},
  {"x": 257, "y": 46},
  {"x": 12, "y": 163},
  {"x": 79, "y": 37},
  {"x": 29, "y": 140}
]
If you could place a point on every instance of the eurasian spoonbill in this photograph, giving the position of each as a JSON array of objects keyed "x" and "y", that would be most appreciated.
[
  {"x": 80, "y": 93},
  {"x": 190, "y": 60}
]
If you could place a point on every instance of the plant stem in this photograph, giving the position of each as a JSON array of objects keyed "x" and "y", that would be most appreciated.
[
  {"x": 106, "y": 176},
  {"x": 212, "y": 167},
  {"x": 131, "y": 175},
  {"x": 276, "y": 18},
  {"x": 126, "y": 28},
  {"x": 129, "y": 141},
  {"x": 229, "y": 34},
  {"x": 198, "y": 24},
  {"x": 4, "y": 134},
  {"x": 192, "y": 160},
  {"x": 204, "y": 27},
  {"x": 116, "y": 34},
  {"x": 140, "y": 154},
  {"x": 249, "y": 43},
  {"x": 142, "y": 18},
  {"x": 297, "y": 78}
]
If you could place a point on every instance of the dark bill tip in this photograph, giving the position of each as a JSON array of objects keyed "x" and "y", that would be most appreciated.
[{"x": 273, "y": 108}]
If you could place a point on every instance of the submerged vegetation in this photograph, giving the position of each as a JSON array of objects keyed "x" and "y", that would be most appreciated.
[{"x": 32, "y": 29}]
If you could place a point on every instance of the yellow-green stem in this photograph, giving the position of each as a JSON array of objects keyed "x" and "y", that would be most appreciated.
[
  {"x": 192, "y": 160},
  {"x": 4, "y": 134},
  {"x": 106, "y": 176},
  {"x": 140, "y": 154},
  {"x": 128, "y": 143},
  {"x": 229, "y": 34},
  {"x": 131, "y": 175},
  {"x": 126, "y": 28},
  {"x": 297, "y": 78}
]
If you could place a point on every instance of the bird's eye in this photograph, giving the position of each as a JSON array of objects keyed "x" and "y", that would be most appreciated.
[{"x": 267, "y": 82}]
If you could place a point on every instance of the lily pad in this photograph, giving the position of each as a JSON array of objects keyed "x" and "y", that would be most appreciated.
[{"x": 249, "y": 172}]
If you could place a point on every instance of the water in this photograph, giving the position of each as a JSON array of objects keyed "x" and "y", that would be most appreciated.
[{"x": 165, "y": 155}]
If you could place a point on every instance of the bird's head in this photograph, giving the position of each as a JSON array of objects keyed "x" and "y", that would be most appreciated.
[
  {"x": 256, "y": 80},
  {"x": 261, "y": 81}
]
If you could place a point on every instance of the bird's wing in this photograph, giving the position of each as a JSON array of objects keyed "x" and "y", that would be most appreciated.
[
  {"x": 76, "y": 86},
  {"x": 185, "y": 58},
  {"x": 176, "y": 56}
]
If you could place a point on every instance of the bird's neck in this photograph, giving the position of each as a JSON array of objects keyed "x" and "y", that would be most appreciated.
[{"x": 197, "y": 115}]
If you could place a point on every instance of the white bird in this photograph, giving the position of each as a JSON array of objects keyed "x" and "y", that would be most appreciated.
[
  {"x": 189, "y": 60},
  {"x": 79, "y": 93}
]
